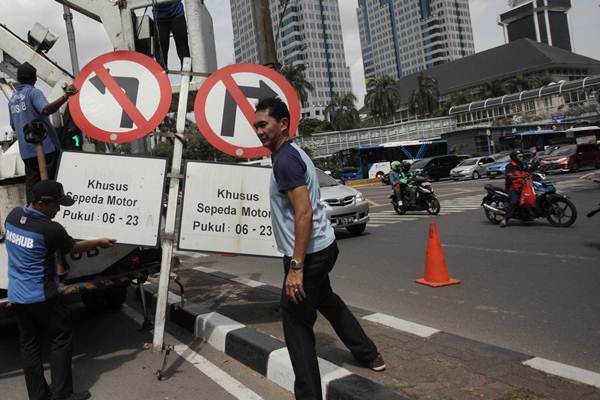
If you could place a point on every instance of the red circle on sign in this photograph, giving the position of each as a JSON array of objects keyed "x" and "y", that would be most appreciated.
[
  {"x": 144, "y": 126},
  {"x": 226, "y": 74}
]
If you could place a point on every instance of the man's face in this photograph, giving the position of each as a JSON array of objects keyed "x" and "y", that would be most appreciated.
[{"x": 271, "y": 132}]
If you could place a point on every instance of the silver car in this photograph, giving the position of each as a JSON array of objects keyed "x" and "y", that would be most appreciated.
[
  {"x": 471, "y": 168},
  {"x": 346, "y": 207}
]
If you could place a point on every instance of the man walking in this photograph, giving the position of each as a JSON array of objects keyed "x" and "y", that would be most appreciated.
[
  {"x": 305, "y": 237},
  {"x": 28, "y": 104},
  {"x": 32, "y": 239}
]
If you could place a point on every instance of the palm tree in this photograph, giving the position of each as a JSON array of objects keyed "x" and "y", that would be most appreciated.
[
  {"x": 539, "y": 80},
  {"x": 383, "y": 97},
  {"x": 424, "y": 100},
  {"x": 295, "y": 75},
  {"x": 518, "y": 84},
  {"x": 342, "y": 112},
  {"x": 493, "y": 89}
]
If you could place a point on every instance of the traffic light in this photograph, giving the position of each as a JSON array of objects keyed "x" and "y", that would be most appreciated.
[{"x": 73, "y": 140}]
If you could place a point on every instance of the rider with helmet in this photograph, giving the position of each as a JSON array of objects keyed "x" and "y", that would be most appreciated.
[
  {"x": 400, "y": 179},
  {"x": 406, "y": 183},
  {"x": 515, "y": 180},
  {"x": 395, "y": 180}
]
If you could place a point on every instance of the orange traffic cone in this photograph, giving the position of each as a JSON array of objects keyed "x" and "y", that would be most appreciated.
[{"x": 436, "y": 271}]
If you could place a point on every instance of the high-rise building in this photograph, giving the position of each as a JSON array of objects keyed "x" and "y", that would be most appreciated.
[
  {"x": 544, "y": 21},
  {"x": 306, "y": 32},
  {"x": 401, "y": 37}
]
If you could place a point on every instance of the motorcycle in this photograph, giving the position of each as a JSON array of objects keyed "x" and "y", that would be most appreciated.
[
  {"x": 425, "y": 199},
  {"x": 556, "y": 208}
]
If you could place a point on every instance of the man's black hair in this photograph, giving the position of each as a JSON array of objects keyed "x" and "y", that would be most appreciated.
[
  {"x": 275, "y": 107},
  {"x": 26, "y": 73}
]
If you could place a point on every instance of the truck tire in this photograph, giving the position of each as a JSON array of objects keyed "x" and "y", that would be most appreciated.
[{"x": 105, "y": 299}]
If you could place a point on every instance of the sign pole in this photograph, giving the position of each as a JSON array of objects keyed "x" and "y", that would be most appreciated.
[{"x": 169, "y": 232}]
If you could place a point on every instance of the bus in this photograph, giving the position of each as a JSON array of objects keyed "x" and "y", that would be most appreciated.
[
  {"x": 374, "y": 161},
  {"x": 538, "y": 140},
  {"x": 584, "y": 134}
]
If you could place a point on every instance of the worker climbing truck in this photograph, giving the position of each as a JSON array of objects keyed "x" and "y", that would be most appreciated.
[{"x": 99, "y": 276}]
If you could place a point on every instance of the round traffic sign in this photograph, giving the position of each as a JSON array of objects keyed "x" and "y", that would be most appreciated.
[
  {"x": 123, "y": 96},
  {"x": 224, "y": 111}
]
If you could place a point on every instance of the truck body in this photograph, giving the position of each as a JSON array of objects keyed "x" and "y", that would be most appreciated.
[{"x": 99, "y": 275}]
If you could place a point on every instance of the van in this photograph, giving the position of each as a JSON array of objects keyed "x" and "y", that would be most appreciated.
[
  {"x": 571, "y": 157},
  {"x": 435, "y": 168}
]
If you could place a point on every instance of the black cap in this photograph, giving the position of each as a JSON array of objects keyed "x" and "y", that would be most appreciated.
[{"x": 51, "y": 191}]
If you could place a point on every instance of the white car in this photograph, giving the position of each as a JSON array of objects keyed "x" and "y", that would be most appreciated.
[
  {"x": 345, "y": 206},
  {"x": 471, "y": 168}
]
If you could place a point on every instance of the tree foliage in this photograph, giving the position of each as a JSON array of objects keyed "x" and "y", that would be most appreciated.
[
  {"x": 195, "y": 146},
  {"x": 383, "y": 97},
  {"x": 308, "y": 126},
  {"x": 295, "y": 74},
  {"x": 342, "y": 112},
  {"x": 424, "y": 99}
]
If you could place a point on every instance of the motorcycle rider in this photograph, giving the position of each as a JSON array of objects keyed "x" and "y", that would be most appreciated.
[
  {"x": 515, "y": 180},
  {"x": 395, "y": 181},
  {"x": 405, "y": 184}
]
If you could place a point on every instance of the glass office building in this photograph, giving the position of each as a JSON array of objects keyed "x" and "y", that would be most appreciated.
[
  {"x": 401, "y": 37},
  {"x": 306, "y": 32}
]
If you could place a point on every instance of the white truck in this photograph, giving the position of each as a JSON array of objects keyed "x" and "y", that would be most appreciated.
[{"x": 100, "y": 276}]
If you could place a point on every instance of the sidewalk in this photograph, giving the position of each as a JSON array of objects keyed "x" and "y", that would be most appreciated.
[{"x": 435, "y": 365}]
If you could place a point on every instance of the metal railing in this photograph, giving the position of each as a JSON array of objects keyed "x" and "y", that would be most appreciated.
[{"x": 328, "y": 143}]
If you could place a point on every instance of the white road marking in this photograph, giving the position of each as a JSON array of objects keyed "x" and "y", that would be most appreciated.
[
  {"x": 248, "y": 282},
  {"x": 565, "y": 371},
  {"x": 206, "y": 270},
  {"x": 217, "y": 375},
  {"x": 401, "y": 324},
  {"x": 190, "y": 254}
]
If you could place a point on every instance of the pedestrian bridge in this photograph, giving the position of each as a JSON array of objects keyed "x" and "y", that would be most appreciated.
[{"x": 328, "y": 143}]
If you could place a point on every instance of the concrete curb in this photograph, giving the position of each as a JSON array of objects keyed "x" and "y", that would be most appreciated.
[
  {"x": 265, "y": 354},
  {"x": 562, "y": 370}
]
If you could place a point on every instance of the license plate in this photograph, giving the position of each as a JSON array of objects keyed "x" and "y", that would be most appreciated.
[
  {"x": 493, "y": 173},
  {"x": 345, "y": 221}
]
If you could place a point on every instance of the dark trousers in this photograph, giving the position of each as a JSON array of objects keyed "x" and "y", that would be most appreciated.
[
  {"x": 178, "y": 27},
  {"x": 513, "y": 203},
  {"x": 38, "y": 323},
  {"x": 32, "y": 171},
  {"x": 299, "y": 319}
]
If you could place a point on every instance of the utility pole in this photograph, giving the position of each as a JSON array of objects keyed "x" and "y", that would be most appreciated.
[
  {"x": 267, "y": 52},
  {"x": 68, "y": 17}
]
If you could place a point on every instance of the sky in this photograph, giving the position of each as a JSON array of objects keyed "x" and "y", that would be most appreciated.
[{"x": 92, "y": 40}]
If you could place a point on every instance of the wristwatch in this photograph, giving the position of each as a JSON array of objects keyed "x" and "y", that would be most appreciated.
[{"x": 295, "y": 264}]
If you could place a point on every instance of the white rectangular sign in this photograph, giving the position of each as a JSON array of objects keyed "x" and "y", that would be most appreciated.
[
  {"x": 115, "y": 196},
  {"x": 226, "y": 209}
]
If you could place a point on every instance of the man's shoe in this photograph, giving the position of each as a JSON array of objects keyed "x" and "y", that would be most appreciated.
[
  {"x": 377, "y": 364},
  {"x": 503, "y": 223},
  {"x": 78, "y": 396}
]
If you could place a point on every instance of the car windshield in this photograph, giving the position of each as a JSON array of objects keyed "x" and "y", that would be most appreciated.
[
  {"x": 562, "y": 151},
  {"x": 504, "y": 159},
  {"x": 420, "y": 163},
  {"x": 325, "y": 180},
  {"x": 465, "y": 163}
]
